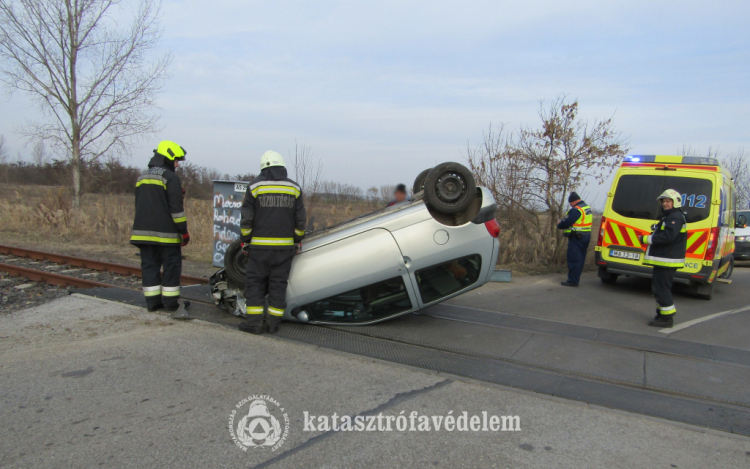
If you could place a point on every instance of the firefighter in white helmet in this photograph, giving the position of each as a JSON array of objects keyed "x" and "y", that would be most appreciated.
[
  {"x": 273, "y": 222},
  {"x": 666, "y": 253}
]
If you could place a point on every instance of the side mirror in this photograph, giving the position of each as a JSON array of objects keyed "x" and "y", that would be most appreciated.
[{"x": 741, "y": 221}]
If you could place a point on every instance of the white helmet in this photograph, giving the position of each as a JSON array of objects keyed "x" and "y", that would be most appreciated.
[
  {"x": 271, "y": 158},
  {"x": 674, "y": 195}
]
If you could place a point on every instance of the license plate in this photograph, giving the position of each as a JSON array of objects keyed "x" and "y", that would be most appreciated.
[{"x": 633, "y": 256}]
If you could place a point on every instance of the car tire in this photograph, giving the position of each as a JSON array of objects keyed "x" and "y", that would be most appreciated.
[
  {"x": 610, "y": 280},
  {"x": 729, "y": 270},
  {"x": 235, "y": 262},
  {"x": 419, "y": 181},
  {"x": 449, "y": 188},
  {"x": 704, "y": 291}
]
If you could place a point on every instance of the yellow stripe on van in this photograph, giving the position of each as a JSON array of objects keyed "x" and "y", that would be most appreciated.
[
  {"x": 618, "y": 235},
  {"x": 633, "y": 237},
  {"x": 667, "y": 159}
]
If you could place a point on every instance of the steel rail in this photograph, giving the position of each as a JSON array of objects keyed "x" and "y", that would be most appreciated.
[
  {"x": 90, "y": 263},
  {"x": 51, "y": 278}
]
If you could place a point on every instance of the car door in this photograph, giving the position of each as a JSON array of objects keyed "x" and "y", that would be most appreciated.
[
  {"x": 356, "y": 280},
  {"x": 443, "y": 260}
]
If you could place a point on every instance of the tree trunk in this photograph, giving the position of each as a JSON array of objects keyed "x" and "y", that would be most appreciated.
[{"x": 76, "y": 177}]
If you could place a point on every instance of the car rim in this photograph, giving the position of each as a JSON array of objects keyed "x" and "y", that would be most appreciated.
[{"x": 450, "y": 187}]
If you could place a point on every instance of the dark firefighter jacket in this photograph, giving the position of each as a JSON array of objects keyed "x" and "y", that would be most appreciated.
[
  {"x": 668, "y": 242},
  {"x": 159, "y": 214},
  {"x": 273, "y": 213}
]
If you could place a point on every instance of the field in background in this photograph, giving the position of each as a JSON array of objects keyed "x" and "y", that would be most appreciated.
[{"x": 44, "y": 214}]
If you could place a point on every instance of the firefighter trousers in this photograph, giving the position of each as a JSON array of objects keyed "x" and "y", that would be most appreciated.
[
  {"x": 267, "y": 274},
  {"x": 577, "y": 247},
  {"x": 157, "y": 287},
  {"x": 661, "y": 287}
]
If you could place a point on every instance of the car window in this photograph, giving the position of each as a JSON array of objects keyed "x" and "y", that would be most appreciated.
[
  {"x": 636, "y": 196},
  {"x": 376, "y": 301},
  {"x": 441, "y": 280}
]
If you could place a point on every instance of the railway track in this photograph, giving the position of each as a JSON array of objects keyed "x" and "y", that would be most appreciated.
[{"x": 54, "y": 278}]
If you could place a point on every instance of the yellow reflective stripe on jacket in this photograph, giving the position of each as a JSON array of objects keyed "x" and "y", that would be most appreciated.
[
  {"x": 179, "y": 217},
  {"x": 254, "y": 310},
  {"x": 275, "y": 311},
  {"x": 275, "y": 190},
  {"x": 246, "y": 231},
  {"x": 156, "y": 239},
  {"x": 272, "y": 241},
  {"x": 151, "y": 181},
  {"x": 299, "y": 232}
]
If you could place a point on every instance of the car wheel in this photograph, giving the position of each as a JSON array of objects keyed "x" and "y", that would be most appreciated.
[
  {"x": 704, "y": 291},
  {"x": 235, "y": 262},
  {"x": 449, "y": 188},
  {"x": 730, "y": 269},
  {"x": 419, "y": 181},
  {"x": 610, "y": 280}
]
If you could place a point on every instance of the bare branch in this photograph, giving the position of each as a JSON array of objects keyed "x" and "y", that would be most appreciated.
[{"x": 93, "y": 77}]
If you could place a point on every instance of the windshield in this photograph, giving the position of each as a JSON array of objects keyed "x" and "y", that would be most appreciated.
[{"x": 636, "y": 196}]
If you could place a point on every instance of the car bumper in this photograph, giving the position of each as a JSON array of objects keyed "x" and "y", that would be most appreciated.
[
  {"x": 742, "y": 251},
  {"x": 619, "y": 268}
]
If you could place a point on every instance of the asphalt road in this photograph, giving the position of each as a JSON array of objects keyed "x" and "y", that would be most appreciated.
[
  {"x": 626, "y": 306},
  {"x": 90, "y": 383}
]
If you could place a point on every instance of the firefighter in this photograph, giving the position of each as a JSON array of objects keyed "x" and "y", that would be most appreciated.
[
  {"x": 272, "y": 226},
  {"x": 160, "y": 227},
  {"x": 666, "y": 253},
  {"x": 577, "y": 228}
]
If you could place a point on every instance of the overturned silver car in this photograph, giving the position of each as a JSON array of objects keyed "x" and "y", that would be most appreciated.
[{"x": 391, "y": 262}]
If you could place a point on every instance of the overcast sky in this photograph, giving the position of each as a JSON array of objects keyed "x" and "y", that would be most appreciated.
[{"x": 383, "y": 89}]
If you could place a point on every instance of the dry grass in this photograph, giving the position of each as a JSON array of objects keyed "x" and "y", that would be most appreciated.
[{"x": 44, "y": 214}]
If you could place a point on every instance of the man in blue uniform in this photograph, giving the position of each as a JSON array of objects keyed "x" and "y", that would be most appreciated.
[{"x": 577, "y": 228}]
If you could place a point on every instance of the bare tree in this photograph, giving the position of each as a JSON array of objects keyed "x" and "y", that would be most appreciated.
[
  {"x": 86, "y": 64},
  {"x": 532, "y": 173},
  {"x": 688, "y": 150},
  {"x": 39, "y": 154},
  {"x": 566, "y": 152},
  {"x": 386, "y": 192},
  {"x": 307, "y": 173},
  {"x": 738, "y": 165},
  {"x": 3, "y": 150}
]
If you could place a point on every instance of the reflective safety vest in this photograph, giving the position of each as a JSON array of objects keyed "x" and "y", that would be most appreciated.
[{"x": 584, "y": 222}]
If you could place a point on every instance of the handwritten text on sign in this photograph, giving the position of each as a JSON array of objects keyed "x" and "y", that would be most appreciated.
[{"x": 228, "y": 197}]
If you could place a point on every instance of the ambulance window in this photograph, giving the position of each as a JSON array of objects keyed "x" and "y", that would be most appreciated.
[
  {"x": 365, "y": 304},
  {"x": 636, "y": 196},
  {"x": 446, "y": 278},
  {"x": 696, "y": 196}
]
